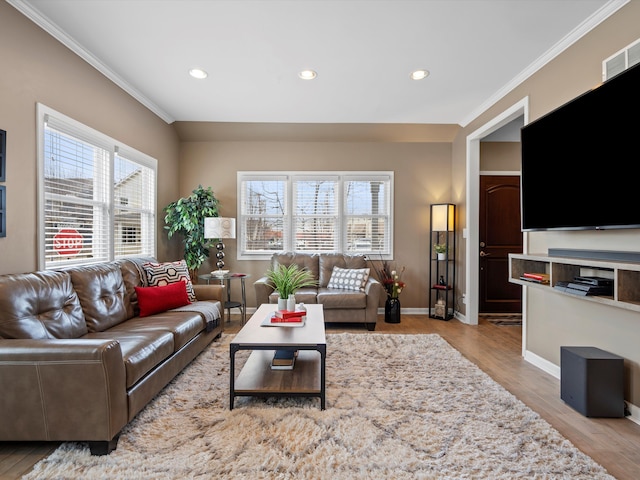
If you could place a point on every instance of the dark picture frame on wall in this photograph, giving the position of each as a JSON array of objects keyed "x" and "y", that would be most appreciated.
[
  {"x": 3, "y": 155},
  {"x": 3, "y": 211}
]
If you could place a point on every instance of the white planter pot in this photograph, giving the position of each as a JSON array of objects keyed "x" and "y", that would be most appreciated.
[
  {"x": 282, "y": 303},
  {"x": 442, "y": 256},
  {"x": 291, "y": 303}
]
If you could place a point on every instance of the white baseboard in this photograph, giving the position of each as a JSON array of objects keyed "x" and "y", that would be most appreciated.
[
  {"x": 544, "y": 365},
  {"x": 413, "y": 311},
  {"x": 408, "y": 311},
  {"x": 554, "y": 370},
  {"x": 635, "y": 413}
]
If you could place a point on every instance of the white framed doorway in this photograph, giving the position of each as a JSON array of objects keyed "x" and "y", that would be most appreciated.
[{"x": 472, "y": 262}]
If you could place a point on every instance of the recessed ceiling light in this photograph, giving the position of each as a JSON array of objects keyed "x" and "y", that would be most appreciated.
[
  {"x": 419, "y": 74},
  {"x": 198, "y": 73},
  {"x": 307, "y": 74}
]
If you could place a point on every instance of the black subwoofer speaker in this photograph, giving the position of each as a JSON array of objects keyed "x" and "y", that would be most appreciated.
[{"x": 592, "y": 381}]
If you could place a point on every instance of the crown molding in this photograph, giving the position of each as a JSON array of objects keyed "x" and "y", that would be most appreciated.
[
  {"x": 572, "y": 37},
  {"x": 52, "y": 29}
]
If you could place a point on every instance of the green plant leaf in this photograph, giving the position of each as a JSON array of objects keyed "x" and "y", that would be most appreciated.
[
  {"x": 186, "y": 217},
  {"x": 286, "y": 280}
]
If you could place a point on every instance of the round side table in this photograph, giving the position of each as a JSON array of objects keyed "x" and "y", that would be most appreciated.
[{"x": 226, "y": 280}]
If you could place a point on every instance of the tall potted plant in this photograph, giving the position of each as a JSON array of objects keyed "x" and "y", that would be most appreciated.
[
  {"x": 286, "y": 280},
  {"x": 186, "y": 217}
]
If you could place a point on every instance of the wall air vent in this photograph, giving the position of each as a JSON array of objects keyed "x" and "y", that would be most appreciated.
[{"x": 620, "y": 61}]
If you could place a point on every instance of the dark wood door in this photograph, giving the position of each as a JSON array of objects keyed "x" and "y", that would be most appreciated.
[{"x": 500, "y": 235}]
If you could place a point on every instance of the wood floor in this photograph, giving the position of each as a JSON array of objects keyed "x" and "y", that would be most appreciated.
[{"x": 613, "y": 443}]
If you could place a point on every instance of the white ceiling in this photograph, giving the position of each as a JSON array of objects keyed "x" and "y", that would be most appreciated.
[{"x": 363, "y": 51}]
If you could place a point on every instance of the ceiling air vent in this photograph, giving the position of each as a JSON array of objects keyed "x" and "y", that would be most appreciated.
[{"x": 620, "y": 61}]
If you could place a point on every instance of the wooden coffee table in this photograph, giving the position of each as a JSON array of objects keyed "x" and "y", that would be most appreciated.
[{"x": 257, "y": 379}]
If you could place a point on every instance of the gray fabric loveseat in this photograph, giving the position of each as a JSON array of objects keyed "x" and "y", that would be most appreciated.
[
  {"x": 83, "y": 350},
  {"x": 343, "y": 300}
]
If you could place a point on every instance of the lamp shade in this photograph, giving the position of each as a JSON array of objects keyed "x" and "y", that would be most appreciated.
[
  {"x": 219, "y": 227},
  {"x": 442, "y": 217}
]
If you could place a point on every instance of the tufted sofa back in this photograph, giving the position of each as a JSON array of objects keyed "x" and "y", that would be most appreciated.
[
  {"x": 40, "y": 305},
  {"x": 101, "y": 292},
  {"x": 69, "y": 303}
]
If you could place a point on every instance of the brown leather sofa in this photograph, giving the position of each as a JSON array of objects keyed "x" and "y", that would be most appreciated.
[
  {"x": 339, "y": 305},
  {"x": 77, "y": 363}
]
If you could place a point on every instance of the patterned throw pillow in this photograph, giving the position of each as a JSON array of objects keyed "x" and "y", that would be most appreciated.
[
  {"x": 349, "y": 278},
  {"x": 159, "y": 274}
]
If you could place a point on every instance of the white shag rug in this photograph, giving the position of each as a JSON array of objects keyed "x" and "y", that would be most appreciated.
[{"x": 398, "y": 406}]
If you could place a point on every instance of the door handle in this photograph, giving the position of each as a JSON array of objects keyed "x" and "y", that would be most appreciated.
[{"x": 483, "y": 254}]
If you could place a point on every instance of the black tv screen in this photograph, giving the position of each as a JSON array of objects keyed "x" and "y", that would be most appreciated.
[{"x": 581, "y": 162}]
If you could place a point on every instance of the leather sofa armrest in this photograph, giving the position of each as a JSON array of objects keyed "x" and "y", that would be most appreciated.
[
  {"x": 210, "y": 292},
  {"x": 214, "y": 294},
  {"x": 374, "y": 291},
  {"x": 263, "y": 289},
  {"x": 62, "y": 389}
]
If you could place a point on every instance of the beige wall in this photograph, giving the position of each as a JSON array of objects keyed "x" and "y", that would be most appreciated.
[
  {"x": 37, "y": 68},
  {"x": 422, "y": 176},
  {"x": 553, "y": 320},
  {"x": 499, "y": 156}
]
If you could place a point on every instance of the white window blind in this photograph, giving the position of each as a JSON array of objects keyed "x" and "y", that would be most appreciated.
[
  {"x": 316, "y": 222},
  {"x": 263, "y": 213},
  {"x": 97, "y": 199},
  {"x": 367, "y": 215},
  {"x": 315, "y": 212},
  {"x": 134, "y": 207}
]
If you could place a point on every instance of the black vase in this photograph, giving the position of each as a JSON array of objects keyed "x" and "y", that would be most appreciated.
[{"x": 392, "y": 310}]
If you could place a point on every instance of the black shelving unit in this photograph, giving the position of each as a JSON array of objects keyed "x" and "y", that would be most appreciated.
[{"x": 442, "y": 271}]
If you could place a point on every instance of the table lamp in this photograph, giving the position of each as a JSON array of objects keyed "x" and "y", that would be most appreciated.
[{"x": 219, "y": 228}]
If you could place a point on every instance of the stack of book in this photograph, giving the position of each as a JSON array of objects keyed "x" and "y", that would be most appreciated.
[
  {"x": 285, "y": 318},
  {"x": 536, "y": 277},
  {"x": 284, "y": 359},
  {"x": 288, "y": 316}
]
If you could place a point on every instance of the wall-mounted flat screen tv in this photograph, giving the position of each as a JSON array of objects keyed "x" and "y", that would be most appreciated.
[{"x": 581, "y": 162}]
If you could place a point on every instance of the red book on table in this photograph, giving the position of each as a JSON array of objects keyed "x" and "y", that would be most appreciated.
[
  {"x": 289, "y": 314},
  {"x": 275, "y": 319}
]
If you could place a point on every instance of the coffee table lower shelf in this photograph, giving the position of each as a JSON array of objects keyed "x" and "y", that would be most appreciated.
[{"x": 257, "y": 379}]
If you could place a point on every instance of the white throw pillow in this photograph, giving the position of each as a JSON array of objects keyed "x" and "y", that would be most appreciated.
[
  {"x": 349, "y": 278},
  {"x": 159, "y": 274}
]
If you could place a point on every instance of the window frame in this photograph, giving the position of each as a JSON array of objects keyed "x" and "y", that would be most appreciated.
[
  {"x": 105, "y": 228},
  {"x": 289, "y": 178}
]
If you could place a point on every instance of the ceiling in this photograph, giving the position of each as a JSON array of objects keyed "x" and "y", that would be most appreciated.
[{"x": 363, "y": 52}]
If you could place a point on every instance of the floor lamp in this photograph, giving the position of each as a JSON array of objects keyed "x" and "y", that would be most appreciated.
[{"x": 219, "y": 228}]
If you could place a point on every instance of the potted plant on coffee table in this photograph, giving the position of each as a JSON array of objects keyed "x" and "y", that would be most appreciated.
[{"x": 286, "y": 280}]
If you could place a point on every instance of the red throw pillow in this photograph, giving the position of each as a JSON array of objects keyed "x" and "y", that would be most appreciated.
[{"x": 160, "y": 299}]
